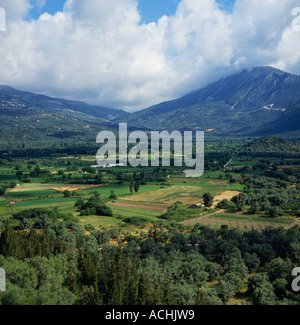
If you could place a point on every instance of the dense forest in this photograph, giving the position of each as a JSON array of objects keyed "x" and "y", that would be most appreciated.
[{"x": 52, "y": 260}]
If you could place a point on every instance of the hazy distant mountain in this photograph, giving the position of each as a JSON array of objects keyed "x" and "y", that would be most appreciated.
[
  {"x": 241, "y": 104},
  {"x": 25, "y": 116}
]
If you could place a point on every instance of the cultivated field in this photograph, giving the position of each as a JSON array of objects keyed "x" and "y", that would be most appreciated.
[
  {"x": 227, "y": 195},
  {"x": 139, "y": 206},
  {"x": 150, "y": 202},
  {"x": 240, "y": 221}
]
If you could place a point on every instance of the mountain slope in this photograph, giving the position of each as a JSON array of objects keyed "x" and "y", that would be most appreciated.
[
  {"x": 29, "y": 100},
  {"x": 27, "y": 117},
  {"x": 237, "y": 105},
  {"x": 260, "y": 102},
  {"x": 288, "y": 123}
]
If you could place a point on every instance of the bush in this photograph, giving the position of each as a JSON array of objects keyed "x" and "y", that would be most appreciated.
[
  {"x": 70, "y": 219},
  {"x": 137, "y": 221},
  {"x": 208, "y": 199}
]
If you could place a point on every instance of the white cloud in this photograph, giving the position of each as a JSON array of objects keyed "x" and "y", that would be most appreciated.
[
  {"x": 15, "y": 9},
  {"x": 98, "y": 50},
  {"x": 40, "y": 4}
]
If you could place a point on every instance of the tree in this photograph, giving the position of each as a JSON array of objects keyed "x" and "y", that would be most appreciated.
[
  {"x": 38, "y": 171},
  {"x": 136, "y": 187},
  {"x": 275, "y": 212},
  {"x": 223, "y": 204},
  {"x": 214, "y": 270},
  {"x": 255, "y": 207},
  {"x": 112, "y": 196},
  {"x": 236, "y": 265},
  {"x": 67, "y": 193},
  {"x": 252, "y": 261},
  {"x": 208, "y": 199},
  {"x": 279, "y": 268},
  {"x": 225, "y": 290},
  {"x": 177, "y": 206},
  {"x": 131, "y": 186},
  {"x": 2, "y": 190},
  {"x": 240, "y": 201},
  {"x": 19, "y": 174},
  {"x": 261, "y": 290},
  {"x": 79, "y": 203}
]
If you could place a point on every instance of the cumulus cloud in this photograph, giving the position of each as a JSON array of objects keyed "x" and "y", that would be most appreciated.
[{"x": 100, "y": 52}]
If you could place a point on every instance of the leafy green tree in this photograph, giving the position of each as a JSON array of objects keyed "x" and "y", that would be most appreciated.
[
  {"x": 226, "y": 290},
  {"x": 208, "y": 199},
  {"x": 38, "y": 171},
  {"x": 275, "y": 212},
  {"x": 112, "y": 196},
  {"x": 136, "y": 187},
  {"x": 67, "y": 193},
  {"x": 279, "y": 268},
  {"x": 79, "y": 203},
  {"x": 255, "y": 207},
  {"x": 252, "y": 261},
  {"x": 237, "y": 266},
  {"x": 223, "y": 204},
  {"x": 131, "y": 186},
  {"x": 261, "y": 290},
  {"x": 280, "y": 286},
  {"x": 209, "y": 297},
  {"x": 214, "y": 270},
  {"x": 175, "y": 207}
]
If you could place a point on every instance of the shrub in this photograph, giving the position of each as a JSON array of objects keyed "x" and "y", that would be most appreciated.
[{"x": 137, "y": 221}]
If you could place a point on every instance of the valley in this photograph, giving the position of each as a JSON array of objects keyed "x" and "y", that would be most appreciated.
[{"x": 150, "y": 235}]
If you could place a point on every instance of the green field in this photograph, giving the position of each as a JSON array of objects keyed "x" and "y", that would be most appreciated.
[
  {"x": 98, "y": 221},
  {"x": 170, "y": 186},
  {"x": 61, "y": 203},
  {"x": 253, "y": 218},
  {"x": 120, "y": 190},
  {"x": 127, "y": 212},
  {"x": 31, "y": 194}
]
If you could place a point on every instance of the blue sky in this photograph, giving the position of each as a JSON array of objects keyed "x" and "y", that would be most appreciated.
[{"x": 150, "y": 10}]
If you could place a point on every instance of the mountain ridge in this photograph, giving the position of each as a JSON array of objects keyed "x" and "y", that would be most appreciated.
[
  {"x": 245, "y": 101},
  {"x": 46, "y": 102},
  {"x": 261, "y": 101},
  {"x": 27, "y": 117}
]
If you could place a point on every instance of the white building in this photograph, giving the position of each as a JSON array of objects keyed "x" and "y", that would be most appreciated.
[{"x": 108, "y": 166}]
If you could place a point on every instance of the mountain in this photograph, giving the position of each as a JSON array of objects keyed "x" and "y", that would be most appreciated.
[
  {"x": 27, "y": 117},
  {"x": 29, "y": 100},
  {"x": 288, "y": 122},
  {"x": 238, "y": 105},
  {"x": 262, "y": 101}
]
